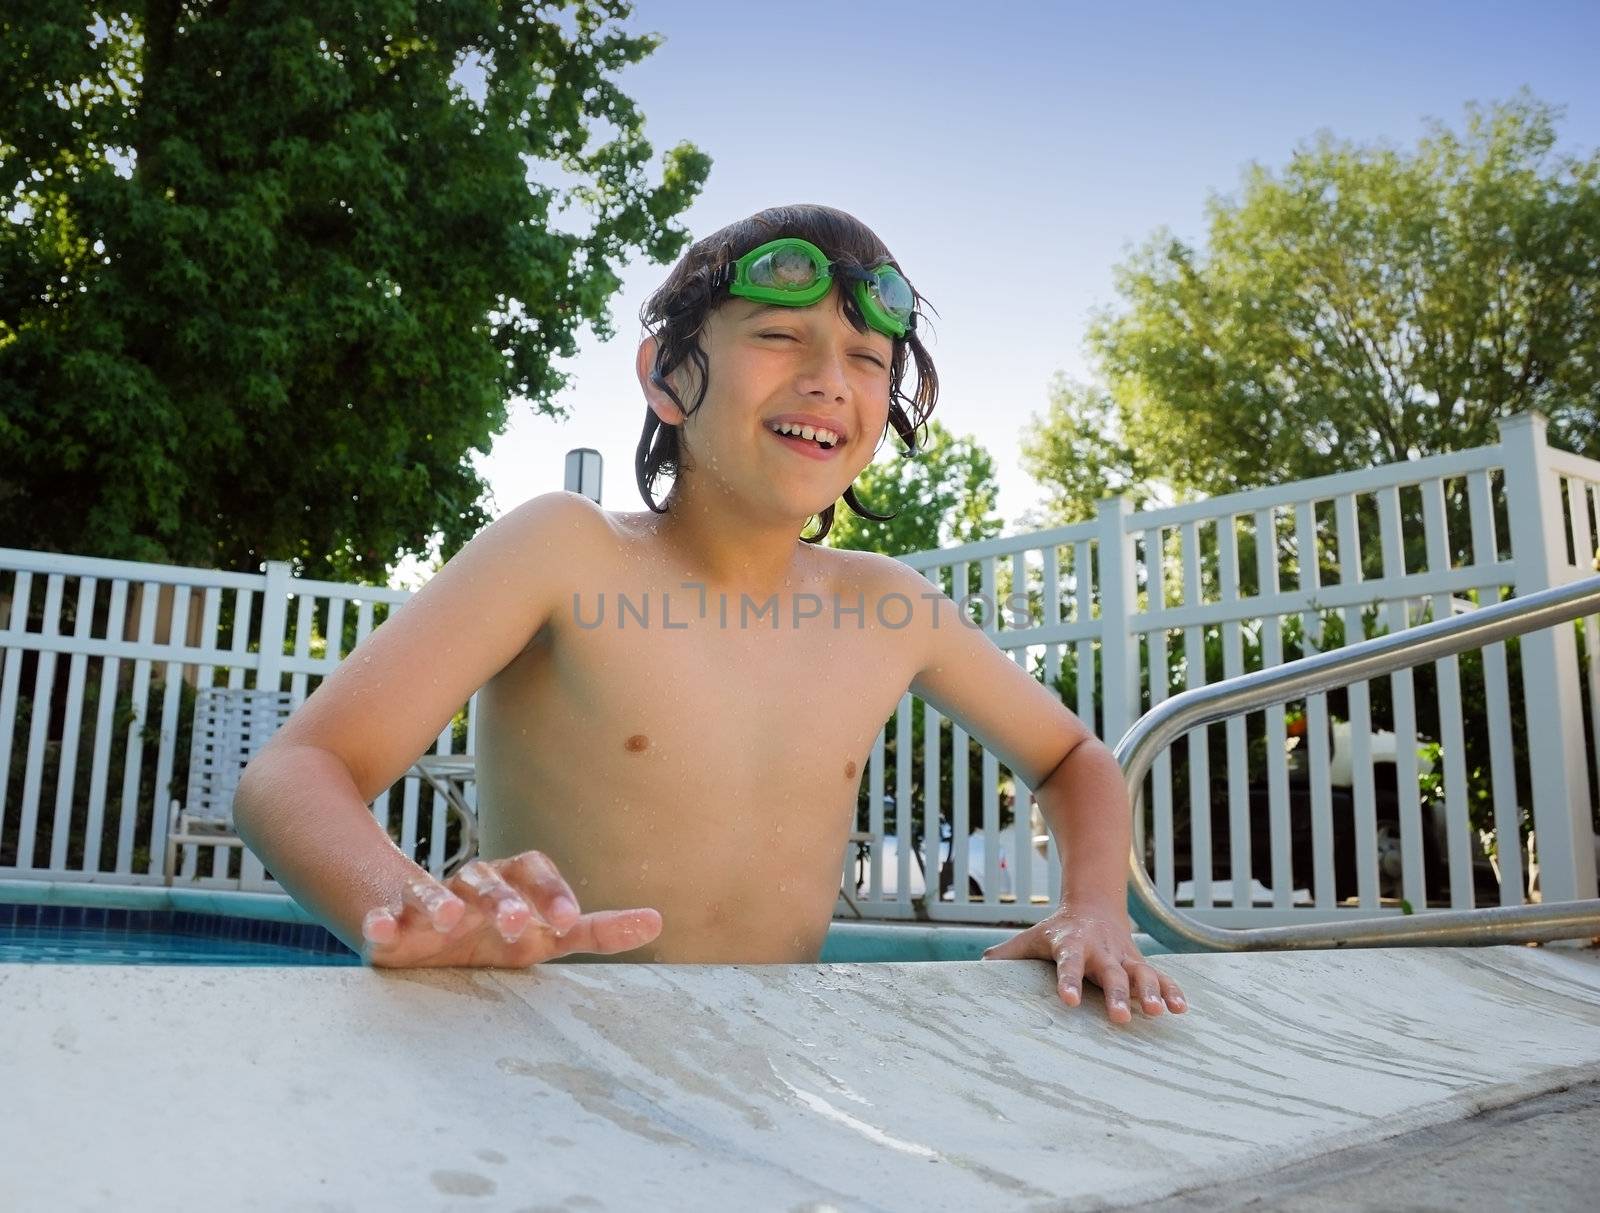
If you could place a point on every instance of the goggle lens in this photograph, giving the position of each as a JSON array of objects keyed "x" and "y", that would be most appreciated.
[
  {"x": 785, "y": 269},
  {"x": 893, "y": 294}
]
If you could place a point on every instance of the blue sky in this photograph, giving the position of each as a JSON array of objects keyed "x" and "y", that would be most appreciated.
[{"x": 1011, "y": 154}]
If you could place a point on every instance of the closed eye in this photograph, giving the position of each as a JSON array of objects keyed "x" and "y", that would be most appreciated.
[{"x": 872, "y": 358}]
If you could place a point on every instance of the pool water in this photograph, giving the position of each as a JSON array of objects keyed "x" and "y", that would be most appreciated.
[
  {"x": 103, "y": 924},
  {"x": 33, "y": 934}
]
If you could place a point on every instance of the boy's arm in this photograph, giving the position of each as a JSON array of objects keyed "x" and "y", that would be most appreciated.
[
  {"x": 302, "y": 803},
  {"x": 1074, "y": 778}
]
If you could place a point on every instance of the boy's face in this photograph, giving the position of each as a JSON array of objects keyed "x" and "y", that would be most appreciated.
[{"x": 768, "y": 362}]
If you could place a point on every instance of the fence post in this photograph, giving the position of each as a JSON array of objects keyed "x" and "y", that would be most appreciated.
[
  {"x": 1119, "y": 643},
  {"x": 1557, "y": 767},
  {"x": 274, "y": 620}
]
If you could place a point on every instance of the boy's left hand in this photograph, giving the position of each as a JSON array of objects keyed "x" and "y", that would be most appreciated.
[{"x": 1095, "y": 943}]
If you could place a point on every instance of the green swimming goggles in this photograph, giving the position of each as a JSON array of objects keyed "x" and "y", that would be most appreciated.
[{"x": 796, "y": 273}]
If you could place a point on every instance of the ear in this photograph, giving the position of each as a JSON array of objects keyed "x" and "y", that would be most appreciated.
[{"x": 660, "y": 403}]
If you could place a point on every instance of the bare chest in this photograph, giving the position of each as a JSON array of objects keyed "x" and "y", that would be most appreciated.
[
  {"x": 649, "y": 702},
  {"x": 778, "y": 688}
]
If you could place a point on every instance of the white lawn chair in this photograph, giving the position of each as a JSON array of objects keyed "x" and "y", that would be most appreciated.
[{"x": 230, "y": 725}]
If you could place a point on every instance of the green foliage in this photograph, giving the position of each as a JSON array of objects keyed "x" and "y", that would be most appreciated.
[
  {"x": 268, "y": 276},
  {"x": 1076, "y": 454},
  {"x": 943, "y": 496},
  {"x": 1365, "y": 306}
]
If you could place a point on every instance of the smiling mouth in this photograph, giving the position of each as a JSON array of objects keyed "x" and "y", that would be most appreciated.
[{"x": 815, "y": 443}]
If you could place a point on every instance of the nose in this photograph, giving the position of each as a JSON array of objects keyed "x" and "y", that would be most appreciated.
[{"x": 824, "y": 373}]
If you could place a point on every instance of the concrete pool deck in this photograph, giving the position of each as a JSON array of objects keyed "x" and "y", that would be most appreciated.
[{"x": 957, "y": 1085}]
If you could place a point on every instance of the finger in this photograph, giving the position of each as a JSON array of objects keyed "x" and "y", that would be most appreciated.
[
  {"x": 1145, "y": 984},
  {"x": 379, "y": 930},
  {"x": 1176, "y": 1002},
  {"x": 432, "y": 903},
  {"x": 609, "y": 931},
  {"x": 1021, "y": 946},
  {"x": 1113, "y": 982},
  {"x": 1069, "y": 976},
  {"x": 548, "y": 892},
  {"x": 496, "y": 900}
]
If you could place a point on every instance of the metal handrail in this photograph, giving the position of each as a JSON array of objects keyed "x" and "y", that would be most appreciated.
[{"x": 1162, "y": 725}]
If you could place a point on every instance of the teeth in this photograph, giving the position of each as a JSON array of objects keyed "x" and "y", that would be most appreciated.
[{"x": 810, "y": 433}]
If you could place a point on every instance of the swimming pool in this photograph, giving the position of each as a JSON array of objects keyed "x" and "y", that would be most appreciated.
[{"x": 67, "y": 923}]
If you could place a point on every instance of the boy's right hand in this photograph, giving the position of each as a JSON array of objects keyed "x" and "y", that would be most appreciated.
[{"x": 505, "y": 913}]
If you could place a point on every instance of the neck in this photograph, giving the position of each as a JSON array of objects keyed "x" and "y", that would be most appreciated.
[{"x": 727, "y": 549}]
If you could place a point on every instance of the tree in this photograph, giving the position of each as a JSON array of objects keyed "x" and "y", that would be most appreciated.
[
  {"x": 943, "y": 495},
  {"x": 1077, "y": 455},
  {"x": 268, "y": 275},
  {"x": 1366, "y": 306}
]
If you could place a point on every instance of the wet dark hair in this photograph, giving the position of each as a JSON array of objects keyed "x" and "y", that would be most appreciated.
[{"x": 677, "y": 313}]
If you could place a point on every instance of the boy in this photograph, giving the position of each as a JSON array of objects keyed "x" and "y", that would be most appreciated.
[{"x": 676, "y": 704}]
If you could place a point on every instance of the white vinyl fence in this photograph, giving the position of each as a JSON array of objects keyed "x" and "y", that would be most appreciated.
[
  {"x": 1124, "y": 610},
  {"x": 1117, "y": 613},
  {"x": 102, "y": 756}
]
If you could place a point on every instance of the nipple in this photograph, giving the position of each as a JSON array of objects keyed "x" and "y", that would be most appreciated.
[{"x": 636, "y": 743}]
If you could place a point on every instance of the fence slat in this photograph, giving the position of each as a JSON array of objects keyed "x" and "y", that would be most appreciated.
[
  {"x": 133, "y": 755},
  {"x": 1363, "y": 792},
  {"x": 1194, "y": 655},
  {"x": 1161, "y": 771},
  {"x": 1233, "y": 728},
  {"x": 991, "y": 766},
  {"x": 100, "y": 770},
  {"x": 1497, "y": 702},
  {"x": 1052, "y": 612},
  {"x": 1022, "y": 798},
  {"x": 44, "y": 684},
  {"x": 903, "y": 802},
  {"x": 1083, "y": 612},
  {"x": 960, "y": 773},
  {"x": 1277, "y": 732},
  {"x": 21, "y": 592},
  {"x": 1318, "y": 764},
  {"x": 67, "y": 764},
  {"x": 932, "y": 801},
  {"x": 172, "y": 681},
  {"x": 1459, "y": 843},
  {"x": 1402, "y": 689},
  {"x": 875, "y": 819}
]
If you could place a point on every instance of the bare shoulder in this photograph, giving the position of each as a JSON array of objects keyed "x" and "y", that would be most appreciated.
[
  {"x": 896, "y": 595},
  {"x": 558, "y": 516},
  {"x": 886, "y": 575}
]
